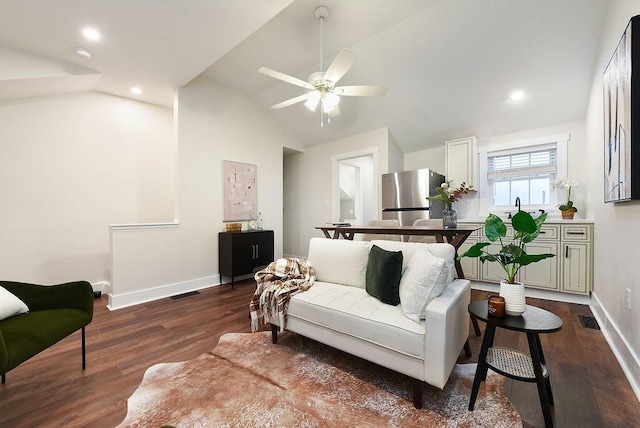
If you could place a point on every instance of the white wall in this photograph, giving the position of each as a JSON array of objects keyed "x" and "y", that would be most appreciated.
[
  {"x": 396, "y": 156},
  {"x": 214, "y": 124},
  {"x": 429, "y": 158},
  {"x": 368, "y": 191},
  {"x": 308, "y": 180},
  {"x": 576, "y": 165},
  {"x": 577, "y": 168},
  {"x": 69, "y": 166},
  {"x": 616, "y": 230}
]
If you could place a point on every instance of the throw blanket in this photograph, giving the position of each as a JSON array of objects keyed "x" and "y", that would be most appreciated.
[{"x": 276, "y": 284}]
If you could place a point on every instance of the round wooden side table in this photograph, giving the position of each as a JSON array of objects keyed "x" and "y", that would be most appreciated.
[{"x": 510, "y": 362}]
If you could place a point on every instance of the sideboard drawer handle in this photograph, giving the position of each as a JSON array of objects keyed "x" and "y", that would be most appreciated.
[{"x": 575, "y": 233}]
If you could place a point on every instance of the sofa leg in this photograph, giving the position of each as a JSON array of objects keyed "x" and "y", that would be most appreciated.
[
  {"x": 84, "y": 351},
  {"x": 274, "y": 334},
  {"x": 4, "y": 378},
  {"x": 467, "y": 349},
  {"x": 418, "y": 388}
]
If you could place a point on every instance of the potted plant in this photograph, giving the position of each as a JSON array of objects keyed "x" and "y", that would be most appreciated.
[
  {"x": 567, "y": 209},
  {"x": 448, "y": 195},
  {"x": 512, "y": 255}
]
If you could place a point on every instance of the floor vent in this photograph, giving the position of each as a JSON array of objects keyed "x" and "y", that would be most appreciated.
[
  {"x": 180, "y": 296},
  {"x": 589, "y": 322}
]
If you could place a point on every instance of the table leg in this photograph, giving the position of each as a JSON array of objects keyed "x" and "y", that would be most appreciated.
[
  {"x": 543, "y": 386},
  {"x": 482, "y": 368},
  {"x": 476, "y": 327},
  {"x": 459, "y": 269},
  {"x": 326, "y": 233},
  {"x": 467, "y": 349},
  {"x": 457, "y": 241},
  {"x": 548, "y": 380}
]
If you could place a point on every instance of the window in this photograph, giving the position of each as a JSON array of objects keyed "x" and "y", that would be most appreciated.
[
  {"x": 522, "y": 170},
  {"x": 526, "y": 174}
]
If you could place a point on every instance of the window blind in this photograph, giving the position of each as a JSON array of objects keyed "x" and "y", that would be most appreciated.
[{"x": 522, "y": 164}]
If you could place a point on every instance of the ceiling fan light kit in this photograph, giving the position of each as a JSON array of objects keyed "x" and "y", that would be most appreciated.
[{"x": 321, "y": 84}]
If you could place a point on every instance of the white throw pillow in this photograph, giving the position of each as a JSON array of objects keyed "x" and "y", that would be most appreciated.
[
  {"x": 10, "y": 305},
  {"x": 448, "y": 253},
  {"x": 339, "y": 261},
  {"x": 423, "y": 280}
]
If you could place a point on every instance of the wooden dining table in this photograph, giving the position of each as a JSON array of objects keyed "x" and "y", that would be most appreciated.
[{"x": 455, "y": 236}]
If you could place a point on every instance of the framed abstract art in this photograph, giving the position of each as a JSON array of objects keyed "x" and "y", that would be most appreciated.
[
  {"x": 622, "y": 118},
  {"x": 240, "y": 191}
]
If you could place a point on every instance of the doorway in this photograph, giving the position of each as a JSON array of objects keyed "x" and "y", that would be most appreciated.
[{"x": 355, "y": 187}]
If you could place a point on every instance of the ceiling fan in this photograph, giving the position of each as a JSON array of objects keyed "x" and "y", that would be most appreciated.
[{"x": 322, "y": 84}]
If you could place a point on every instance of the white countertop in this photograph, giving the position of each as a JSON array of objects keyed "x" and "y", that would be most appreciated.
[{"x": 549, "y": 220}]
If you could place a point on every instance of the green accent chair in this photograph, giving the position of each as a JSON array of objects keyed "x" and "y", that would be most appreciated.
[{"x": 55, "y": 311}]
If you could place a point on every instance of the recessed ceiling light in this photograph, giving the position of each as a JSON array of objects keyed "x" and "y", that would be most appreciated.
[
  {"x": 91, "y": 34},
  {"x": 517, "y": 95},
  {"x": 83, "y": 53},
  {"x": 136, "y": 90}
]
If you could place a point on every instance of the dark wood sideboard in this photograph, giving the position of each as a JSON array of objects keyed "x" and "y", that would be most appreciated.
[{"x": 239, "y": 253}]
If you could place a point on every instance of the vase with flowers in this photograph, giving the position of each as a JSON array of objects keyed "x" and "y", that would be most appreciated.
[
  {"x": 567, "y": 209},
  {"x": 448, "y": 194}
]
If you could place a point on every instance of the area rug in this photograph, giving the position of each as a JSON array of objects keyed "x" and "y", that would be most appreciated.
[{"x": 246, "y": 381}]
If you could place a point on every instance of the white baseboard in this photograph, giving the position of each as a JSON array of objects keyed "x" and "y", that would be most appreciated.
[
  {"x": 119, "y": 301},
  {"x": 536, "y": 293},
  {"x": 627, "y": 358},
  {"x": 101, "y": 286}
]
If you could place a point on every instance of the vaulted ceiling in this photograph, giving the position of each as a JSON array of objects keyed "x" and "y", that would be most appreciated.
[{"x": 450, "y": 65}]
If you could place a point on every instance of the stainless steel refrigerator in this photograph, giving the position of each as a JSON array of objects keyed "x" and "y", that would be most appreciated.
[{"x": 404, "y": 195}]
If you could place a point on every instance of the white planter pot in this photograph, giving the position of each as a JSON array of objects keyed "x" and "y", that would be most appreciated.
[{"x": 514, "y": 299}]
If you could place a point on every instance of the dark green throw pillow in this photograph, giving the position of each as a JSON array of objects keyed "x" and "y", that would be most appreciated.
[{"x": 384, "y": 270}]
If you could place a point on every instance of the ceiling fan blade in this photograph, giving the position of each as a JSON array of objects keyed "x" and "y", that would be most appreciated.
[
  {"x": 290, "y": 101},
  {"x": 360, "y": 91},
  {"x": 340, "y": 65},
  {"x": 285, "y": 77}
]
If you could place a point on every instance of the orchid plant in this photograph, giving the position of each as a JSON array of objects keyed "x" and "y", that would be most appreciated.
[
  {"x": 565, "y": 183},
  {"x": 449, "y": 194}
]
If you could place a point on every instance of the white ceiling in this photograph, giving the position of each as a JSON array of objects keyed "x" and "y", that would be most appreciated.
[{"x": 449, "y": 64}]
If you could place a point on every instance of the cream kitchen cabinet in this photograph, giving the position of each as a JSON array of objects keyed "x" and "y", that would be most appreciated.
[
  {"x": 545, "y": 273},
  {"x": 577, "y": 258},
  {"x": 470, "y": 266},
  {"x": 460, "y": 160},
  {"x": 571, "y": 271}
]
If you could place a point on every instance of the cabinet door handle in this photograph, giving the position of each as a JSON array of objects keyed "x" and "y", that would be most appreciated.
[
  {"x": 542, "y": 231},
  {"x": 253, "y": 251},
  {"x": 257, "y": 251},
  {"x": 566, "y": 252},
  {"x": 575, "y": 233}
]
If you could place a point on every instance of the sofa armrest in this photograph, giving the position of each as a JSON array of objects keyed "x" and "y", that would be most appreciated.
[
  {"x": 447, "y": 330},
  {"x": 70, "y": 295}
]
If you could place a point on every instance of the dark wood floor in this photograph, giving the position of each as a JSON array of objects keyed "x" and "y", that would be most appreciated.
[{"x": 589, "y": 387}]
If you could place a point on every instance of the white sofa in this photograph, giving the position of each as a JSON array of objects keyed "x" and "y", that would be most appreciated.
[{"x": 338, "y": 311}]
